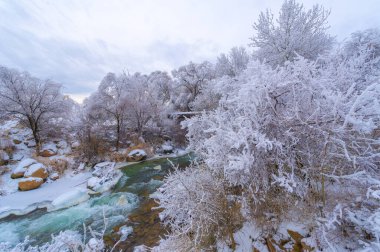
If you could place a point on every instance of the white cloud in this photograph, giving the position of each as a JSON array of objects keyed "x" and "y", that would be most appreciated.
[{"x": 78, "y": 42}]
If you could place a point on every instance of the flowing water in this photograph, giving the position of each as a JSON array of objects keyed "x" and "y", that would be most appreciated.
[{"x": 127, "y": 204}]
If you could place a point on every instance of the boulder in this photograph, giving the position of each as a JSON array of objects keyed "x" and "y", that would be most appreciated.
[
  {"x": 54, "y": 176},
  {"x": 62, "y": 144},
  {"x": 22, "y": 167},
  {"x": 75, "y": 145},
  {"x": 47, "y": 153},
  {"x": 36, "y": 170},
  {"x": 30, "y": 144},
  {"x": 136, "y": 155},
  {"x": 48, "y": 150},
  {"x": 93, "y": 183},
  {"x": 167, "y": 148},
  {"x": 27, "y": 184},
  {"x": 16, "y": 141},
  {"x": 297, "y": 237}
]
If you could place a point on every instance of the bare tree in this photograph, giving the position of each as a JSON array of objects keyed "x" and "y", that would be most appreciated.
[
  {"x": 32, "y": 100},
  {"x": 109, "y": 102}
]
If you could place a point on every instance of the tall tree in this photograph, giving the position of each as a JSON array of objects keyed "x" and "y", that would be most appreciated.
[
  {"x": 296, "y": 32},
  {"x": 32, "y": 100},
  {"x": 109, "y": 102}
]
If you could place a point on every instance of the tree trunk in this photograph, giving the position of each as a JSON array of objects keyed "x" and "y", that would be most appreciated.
[
  {"x": 34, "y": 127},
  {"x": 37, "y": 139},
  {"x": 117, "y": 134}
]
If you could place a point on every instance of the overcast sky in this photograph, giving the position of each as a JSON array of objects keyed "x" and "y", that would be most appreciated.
[{"x": 77, "y": 42}]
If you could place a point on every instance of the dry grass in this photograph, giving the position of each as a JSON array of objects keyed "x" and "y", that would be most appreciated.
[{"x": 118, "y": 157}]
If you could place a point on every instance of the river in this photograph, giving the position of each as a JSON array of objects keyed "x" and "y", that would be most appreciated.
[{"x": 128, "y": 204}]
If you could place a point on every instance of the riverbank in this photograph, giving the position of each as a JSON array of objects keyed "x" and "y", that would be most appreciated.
[
  {"x": 71, "y": 187},
  {"x": 128, "y": 204}
]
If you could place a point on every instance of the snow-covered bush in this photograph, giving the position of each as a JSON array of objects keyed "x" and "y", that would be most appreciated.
[{"x": 196, "y": 208}]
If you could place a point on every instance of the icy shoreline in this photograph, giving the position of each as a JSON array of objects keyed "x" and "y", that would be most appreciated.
[
  {"x": 21, "y": 203},
  {"x": 71, "y": 187}
]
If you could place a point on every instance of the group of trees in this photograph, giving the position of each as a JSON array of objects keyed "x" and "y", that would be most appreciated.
[
  {"x": 283, "y": 130},
  {"x": 138, "y": 104},
  {"x": 123, "y": 105}
]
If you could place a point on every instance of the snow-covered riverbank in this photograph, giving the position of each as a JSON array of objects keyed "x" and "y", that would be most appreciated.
[
  {"x": 20, "y": 203},
  {"x": 67, "y": 191}
]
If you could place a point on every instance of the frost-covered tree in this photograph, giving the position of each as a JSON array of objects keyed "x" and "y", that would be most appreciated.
[
  {"x": 367, "y": 40},
  {"x": 232, "y": 64},
  {"x": 296, "y": 31},
  {"x": 36, "y": 102},
  {"x": 109, "y": 102},
  {"x": 190, "y": 80},
  {"x": 139, "y": 102}
]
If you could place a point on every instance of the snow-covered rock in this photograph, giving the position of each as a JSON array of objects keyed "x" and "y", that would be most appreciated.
[
  {"x": 22, "y": 167},
  {"x": 31, "y": 183},
  {"x": 93, "y": 183},
  {"x": 48, "y": 150},
  {"x": 94, "y": 245},
  {"x": 30, "y": 144},
  {"x": 125, "y": 231},
  {"x": 167, "y": 148},
  {"x": 75, "y": 144},
  {"x": 17, "y": 141},
  {"x": 105, "y": 176},
  {"x": 37, "y": 170},
  {"x": 136, "y": 155},
  {"x": 54, "y": 176},
  {"x": 81, "y": 166},
  {"x": 70, "y": 198},
  {"x": 62, "y": 144},
  {"x": 102, "y": 168}
]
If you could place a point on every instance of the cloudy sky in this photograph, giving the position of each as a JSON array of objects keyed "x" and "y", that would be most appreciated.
[{"x": 77, "y": 42}]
